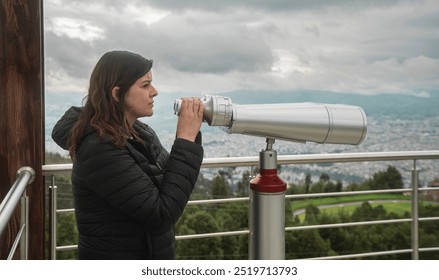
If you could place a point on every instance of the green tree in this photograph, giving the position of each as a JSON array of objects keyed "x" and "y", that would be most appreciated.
[
  {"x": 67, "y": 234},
  {"x": 363, "y": 213},
  {"x": 220, "y": 187},
  {"x": 230, "y": 245},
  {"x": 317, "y": 187},
  {"x": 311, "y": 214},
  {"x": 307, "y": 244},
  {"x": 389, "y": 179},
  {"x": 324, "y": 177},
  {"x": 335, "y": 236},
  {"x": 202, "y": 248},
  {"x": 352, "y": 187},
  {"x": 244, "y": 184},
  {"x": 308, "y": 182},
  {"x": 296, "y": 188}
]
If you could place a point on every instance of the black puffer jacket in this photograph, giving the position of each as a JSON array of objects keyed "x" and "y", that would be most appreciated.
[{"x": 128, "y": 200}]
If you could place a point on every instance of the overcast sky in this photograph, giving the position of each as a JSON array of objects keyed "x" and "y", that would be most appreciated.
[{"x": 352, "y": 46}]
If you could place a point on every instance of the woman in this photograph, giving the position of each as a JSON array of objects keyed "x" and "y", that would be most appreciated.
[{"x": 128, "y": 190}]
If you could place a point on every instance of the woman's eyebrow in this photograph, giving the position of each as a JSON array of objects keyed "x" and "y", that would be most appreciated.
[{"x": 144, "y": 82}]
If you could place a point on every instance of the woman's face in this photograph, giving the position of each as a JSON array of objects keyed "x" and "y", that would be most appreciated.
[{"x": 139, "y": 99}]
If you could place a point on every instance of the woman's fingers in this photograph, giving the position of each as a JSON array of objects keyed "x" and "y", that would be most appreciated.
[
  {"x": 190, "y": 118},
  {"x": 193, "y": 104}
]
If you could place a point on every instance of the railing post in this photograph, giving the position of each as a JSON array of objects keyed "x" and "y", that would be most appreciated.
[
  {"x": 415, "y": 212},
  {"x": 24, "y": 216},
  {"x": 267, "y": 209},
  {"x": 17, "y": 193},
  {"x": 24, "y": 221},
  {"x": 52, "y": 218}
]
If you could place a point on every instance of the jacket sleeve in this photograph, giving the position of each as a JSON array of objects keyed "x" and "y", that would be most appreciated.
[
  {"x": 62, "y": 129},
  {"x": 115, "y": 177}
]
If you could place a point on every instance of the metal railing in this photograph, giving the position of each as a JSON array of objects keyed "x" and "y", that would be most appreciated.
[
  {"x": 52, "y": 170},
  {"x": 17, "y": 194}
]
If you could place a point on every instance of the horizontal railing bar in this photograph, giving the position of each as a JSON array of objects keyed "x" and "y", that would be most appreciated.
[
  {"x": 332, "y": 194},
  {"x": 358, "y": 157},
  {"x": 50, "y": 169},
  {"x": 423, "y": 250},
  {"x": 323, "y": 158},
  {"x": 366, "y": 223},
  {"x": 430, "y": 249},
  {"x": 291, "y": 196},
  {"x": 217, "y": 201},
  {"x": 348, "y": 193},
  {"x": 360, "y": 255},
  {"x": 180, "y": 237},
  {"x": 338, "y": 257},
  {"x": 191, "y": 202},
  {"x": 230, "y": 233},
  {"x": 428, "y": 219},
  {"x": 214, "y": 234},
  {"x": 372, "y": 254},
  {"x": 67, "y": 210},
  {"x": 66, "y": 248},
  {"x": 352, "y": 224},
  {"x": 428, "y": 189}
]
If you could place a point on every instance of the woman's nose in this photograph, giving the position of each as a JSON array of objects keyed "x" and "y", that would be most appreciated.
[{"x": 154, "y": 91}]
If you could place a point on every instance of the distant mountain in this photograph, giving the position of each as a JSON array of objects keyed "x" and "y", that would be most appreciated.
[
  {"x": 381, "y": 104},
  {"x": 377, "y": 105}
]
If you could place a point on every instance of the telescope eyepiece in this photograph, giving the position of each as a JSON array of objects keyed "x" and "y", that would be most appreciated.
[{"x": 218, "y": 110}]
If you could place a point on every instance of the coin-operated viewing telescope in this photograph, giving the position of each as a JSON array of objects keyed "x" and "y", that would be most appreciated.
[
  {"x": 321, "y": 123},
  {"x": 315, "y": 122}
]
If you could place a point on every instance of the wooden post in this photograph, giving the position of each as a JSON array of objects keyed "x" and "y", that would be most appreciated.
[{"x": 22, "y": 113}]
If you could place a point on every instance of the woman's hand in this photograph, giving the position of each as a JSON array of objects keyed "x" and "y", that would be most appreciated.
[{"x": 190, "y": 118}]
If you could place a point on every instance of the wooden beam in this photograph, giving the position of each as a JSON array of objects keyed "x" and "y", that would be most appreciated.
[{"x": 22, "y": 113}]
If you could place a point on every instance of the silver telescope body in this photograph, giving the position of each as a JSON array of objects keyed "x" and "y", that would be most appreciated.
[{"x": 300, "y": 122}]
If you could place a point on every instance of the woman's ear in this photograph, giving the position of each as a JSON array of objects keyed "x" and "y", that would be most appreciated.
[{"x": 115, "y": 93}]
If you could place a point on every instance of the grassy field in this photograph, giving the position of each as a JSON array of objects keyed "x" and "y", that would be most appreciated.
[
  {"x": 398, "y": 208},
  {"x": 301, "y": 204},
  {"x": 396, "y": 203}
]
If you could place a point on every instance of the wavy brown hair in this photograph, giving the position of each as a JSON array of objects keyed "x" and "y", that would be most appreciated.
[{"x": 101, "y": 111}]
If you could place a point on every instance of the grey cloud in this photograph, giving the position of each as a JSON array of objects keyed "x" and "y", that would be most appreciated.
[
  {"x": 226, "y": 56},
  {"x": 183, "y": 43},
  {"x": 273, "y": 5},
  {"x": 212, "y": 48},
  {"x": 430, "y": 21},
  {"x": 234, "y": 43},
  {"x": 72, "y": 56},
  {"x": 267, "y": 5}
]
